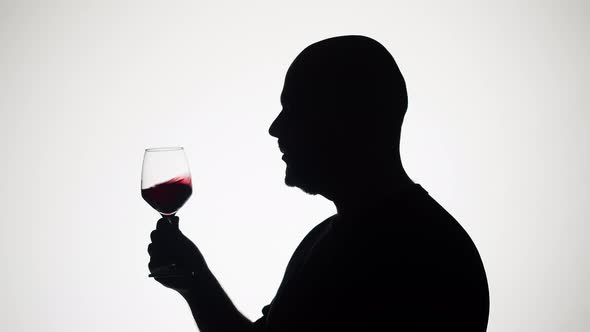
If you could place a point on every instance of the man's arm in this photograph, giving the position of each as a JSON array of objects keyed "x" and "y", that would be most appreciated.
[{"x": 211, "y": 307}]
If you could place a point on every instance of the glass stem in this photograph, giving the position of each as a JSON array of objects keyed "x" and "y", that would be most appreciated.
[{"x": 168, "y": 217}]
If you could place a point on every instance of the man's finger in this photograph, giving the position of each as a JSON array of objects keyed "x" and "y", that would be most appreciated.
[
  {"x": 156, "y": 236},
  {"x": 163, "y": 268},
  {"x": 162, "y": 224},
  {"x": 166, "y": 223}
]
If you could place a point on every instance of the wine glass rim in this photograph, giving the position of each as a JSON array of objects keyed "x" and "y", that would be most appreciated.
[{"x": 169, "y": 148}]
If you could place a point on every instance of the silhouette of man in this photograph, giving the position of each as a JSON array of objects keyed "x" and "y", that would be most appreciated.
[{"x": 391, "y": 258}]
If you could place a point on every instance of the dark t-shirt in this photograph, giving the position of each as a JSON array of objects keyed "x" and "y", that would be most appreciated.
[{"x": 403, "y": 265}]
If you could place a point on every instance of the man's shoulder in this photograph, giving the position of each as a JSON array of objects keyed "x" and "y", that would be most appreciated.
[
  {"x": 322, "y": 226},
  {"x": 318, "y": 230},
  {"x": 313, "y": 236}
]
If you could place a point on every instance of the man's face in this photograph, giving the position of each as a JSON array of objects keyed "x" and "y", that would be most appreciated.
[
  {"x": 305, "y": 139},
  {"x": 341, "y": 99}
]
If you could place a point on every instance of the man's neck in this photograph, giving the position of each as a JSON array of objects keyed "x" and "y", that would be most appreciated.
[{"x": 370, "y": 192}]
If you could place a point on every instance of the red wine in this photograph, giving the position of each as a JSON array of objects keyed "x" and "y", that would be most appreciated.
[{"x": 169, "y": 196}]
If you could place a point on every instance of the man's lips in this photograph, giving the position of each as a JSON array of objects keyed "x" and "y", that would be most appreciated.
[
  {"x": 284, "y": 152},
  {"x": 281, "y": 147}
]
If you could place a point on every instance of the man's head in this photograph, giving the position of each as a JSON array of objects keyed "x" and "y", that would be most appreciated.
[{"x": 344, "y": 100}]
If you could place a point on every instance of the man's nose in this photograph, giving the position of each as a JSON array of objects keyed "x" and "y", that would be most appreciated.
[{"x": 275, "y": 126}]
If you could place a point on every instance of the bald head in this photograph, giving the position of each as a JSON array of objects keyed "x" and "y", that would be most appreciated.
[
  {"x": 344, "y": 100},
  {"x": 352, "y": 79}
]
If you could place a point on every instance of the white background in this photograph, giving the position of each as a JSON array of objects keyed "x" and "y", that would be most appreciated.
[{"x": 496, "y": 131}]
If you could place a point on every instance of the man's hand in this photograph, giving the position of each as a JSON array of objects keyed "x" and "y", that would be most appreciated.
[{"x": 172, "y": 252}]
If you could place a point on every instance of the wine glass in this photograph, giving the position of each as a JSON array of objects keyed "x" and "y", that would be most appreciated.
[{"x": 166, "y": 184}]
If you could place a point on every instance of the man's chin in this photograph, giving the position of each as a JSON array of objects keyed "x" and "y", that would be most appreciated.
[{"x": 303, "y": 183}]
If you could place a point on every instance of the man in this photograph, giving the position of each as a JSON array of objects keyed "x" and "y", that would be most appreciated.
[{"x": 391, "y": 259}]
